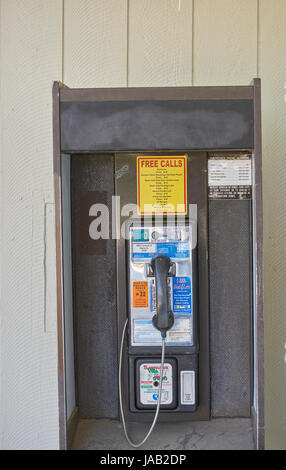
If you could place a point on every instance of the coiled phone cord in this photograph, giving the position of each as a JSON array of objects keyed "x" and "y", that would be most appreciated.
[{"x": 133, "y": 444}]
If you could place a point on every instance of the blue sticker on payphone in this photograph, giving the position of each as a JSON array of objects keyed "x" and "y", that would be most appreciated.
[
  {"x": 174, "y": 249},
  {"x": 182, "y": 295},
  {"x": 140, "y": 235}
]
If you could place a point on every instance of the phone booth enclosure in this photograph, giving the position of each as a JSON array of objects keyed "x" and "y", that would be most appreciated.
[{"x": 227, "y": 364}]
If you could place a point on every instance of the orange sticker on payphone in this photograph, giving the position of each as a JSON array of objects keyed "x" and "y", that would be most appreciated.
[{"x": 140, "y": 294}]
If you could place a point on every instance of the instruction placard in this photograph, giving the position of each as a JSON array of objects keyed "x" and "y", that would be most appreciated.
[
  {"x": 229, "y": 176},
  {"x": 180, "y": 333},
  {"x": 140, "y": 294},
  {"x": 149, "y": 383},
  {"x": 162, "y": 184}
]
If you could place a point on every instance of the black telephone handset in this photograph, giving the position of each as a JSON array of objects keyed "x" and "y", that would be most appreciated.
[{"x": 163, "y": 319}]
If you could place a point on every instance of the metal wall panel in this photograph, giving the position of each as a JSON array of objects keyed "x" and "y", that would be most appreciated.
[
  {"x": 230, "y": 307},
  {"x": 95, "y": 290}
]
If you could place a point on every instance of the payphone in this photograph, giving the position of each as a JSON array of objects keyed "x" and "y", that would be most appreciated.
[{"x": 162, "y": 319}]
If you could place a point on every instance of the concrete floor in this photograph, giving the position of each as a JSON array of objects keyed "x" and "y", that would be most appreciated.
[{"x": 217, "y": 434}]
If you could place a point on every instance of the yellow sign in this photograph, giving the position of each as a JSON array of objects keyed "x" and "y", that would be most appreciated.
[{"x": 162, "y": 184}]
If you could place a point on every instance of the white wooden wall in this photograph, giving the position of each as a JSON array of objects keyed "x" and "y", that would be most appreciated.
[{"x": 114, "y": 43}]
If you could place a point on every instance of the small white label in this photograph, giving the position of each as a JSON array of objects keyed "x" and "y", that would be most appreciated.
[
  {"x": 187, "y": 387},
  {"x": 144, "y": 332},
  {"x": 144, "y": 248},
  {"x": 180, "y": 331},
  {"x": 149, "y": 384},
  {"x": 229, "y": 172}
]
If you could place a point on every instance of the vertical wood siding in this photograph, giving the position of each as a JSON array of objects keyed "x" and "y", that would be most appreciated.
[
  {"x": 272, "y": 69},
  {"x": 95, "y": 43},
  {"x": 160, "y": 43},
  {"x": 31, "y": 39},
  {"x": 225, "y": 42}
]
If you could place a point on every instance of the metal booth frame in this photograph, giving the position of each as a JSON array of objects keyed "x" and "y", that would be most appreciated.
[{"x": 62, "y": 95}]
